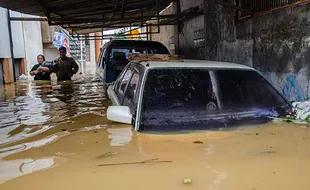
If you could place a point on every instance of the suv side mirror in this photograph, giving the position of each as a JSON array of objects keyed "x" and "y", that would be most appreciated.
[{"x": 119, "y": 114}]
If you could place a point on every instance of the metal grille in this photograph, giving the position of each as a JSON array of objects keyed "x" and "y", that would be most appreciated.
[{"x": 257, "y": 6}]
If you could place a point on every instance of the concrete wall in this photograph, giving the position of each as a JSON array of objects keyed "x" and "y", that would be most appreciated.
[
  {"x": 187, "y": 30},
  {"x": 276, "y": 43},
  {"x": 186, "y": 35},
  {"x": 166, "y": 35},
  {"x": 50, "y": 52},
  {"x": 4, "y": 34}
]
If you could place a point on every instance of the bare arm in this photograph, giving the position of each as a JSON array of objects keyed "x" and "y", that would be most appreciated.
[
  {"x": 45, "y": 69},
  {"x": 34, "y": 71}
]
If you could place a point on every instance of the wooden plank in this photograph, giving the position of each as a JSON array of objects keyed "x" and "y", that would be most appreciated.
[{"x": 153, "y": 57}]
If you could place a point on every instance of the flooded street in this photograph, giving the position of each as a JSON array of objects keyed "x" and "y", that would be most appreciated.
[{"x": 56, "y": 136}]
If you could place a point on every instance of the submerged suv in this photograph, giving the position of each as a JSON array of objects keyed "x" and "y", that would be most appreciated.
[
  {"x": 114, "y": 56},
  {"x": 158, "y": 95}
]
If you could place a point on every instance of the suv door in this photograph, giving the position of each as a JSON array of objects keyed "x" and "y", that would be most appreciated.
[
  {"x": 101, "y": 63},
  {"x": 131, "y": 93}
]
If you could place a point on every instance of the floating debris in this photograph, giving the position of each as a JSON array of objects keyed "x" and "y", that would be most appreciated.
[
  {"x": 151, "y": 161},
  {"x": 187, "y": 181},
  {"x": 198, "y": 142},
  {"x": 106, "y": 154},
  {"x": 262, "y": 153}
]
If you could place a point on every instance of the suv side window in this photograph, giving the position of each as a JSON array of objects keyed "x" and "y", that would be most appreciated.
[
  {"x": 131, "y": 91},
  {"x": 122, "y": 84},
  {"x": 100, "y": 59}
]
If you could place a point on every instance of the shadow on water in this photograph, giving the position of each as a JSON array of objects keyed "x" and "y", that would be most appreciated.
[{"x": 27, "y": 107}]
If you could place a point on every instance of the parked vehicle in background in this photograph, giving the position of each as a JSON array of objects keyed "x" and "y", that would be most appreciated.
[
  {"x": 114, "y": 56},
  {"x": 189, "y": 94}
]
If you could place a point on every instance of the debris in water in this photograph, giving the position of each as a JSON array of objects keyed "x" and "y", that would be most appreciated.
[
  {"x": 198, "y": 142},
  {"x": 95, "y": 131},
  {"x": 187, "y": 180},
  {"x": 260, "y": 153},
  {"x": 256, "y": 133},
  {"x": 106, "y": 154},
  {"x": 274, "y": 133},
  {"x": 151, "y": 161}
]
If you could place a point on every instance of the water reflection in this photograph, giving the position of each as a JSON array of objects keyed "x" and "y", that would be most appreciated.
[
  {"x": 28, "y": 105},
  {"x": 16, "y": 168},
  {"x": 120, "y": 136}
]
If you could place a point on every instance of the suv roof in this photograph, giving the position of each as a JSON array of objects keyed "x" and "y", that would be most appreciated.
[{"x": 192, "y": 64}]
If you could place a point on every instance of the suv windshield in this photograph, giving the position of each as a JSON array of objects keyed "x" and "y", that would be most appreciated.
[{"x": 207, "y": 98}]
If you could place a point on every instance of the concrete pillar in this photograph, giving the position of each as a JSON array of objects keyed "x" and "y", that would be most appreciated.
[
  {"x": 220, "y": 32},
  {"x": 92, "y": 49},
  {"x": 177, "y": 10},
  {"x": 8, "y": 71},
  {"x": 97, "y": 47},
  {"x": 212, "y": 31}
]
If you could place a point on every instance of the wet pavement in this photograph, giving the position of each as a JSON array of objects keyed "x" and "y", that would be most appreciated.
[{"x": 56, "y": 136}]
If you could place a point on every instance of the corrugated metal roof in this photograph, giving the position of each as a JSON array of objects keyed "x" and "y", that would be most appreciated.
[{"x": 91, "y": 14}]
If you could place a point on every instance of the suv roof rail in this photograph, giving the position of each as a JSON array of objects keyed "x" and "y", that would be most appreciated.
[{"x": 153, "y": 57}]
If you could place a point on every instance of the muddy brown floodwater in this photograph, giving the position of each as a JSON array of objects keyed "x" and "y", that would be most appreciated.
[{"x": 56, "y": 136}]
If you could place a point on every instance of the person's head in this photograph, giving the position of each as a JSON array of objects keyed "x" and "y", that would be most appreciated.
[
  {"x": 40, "y": 58},
  {"x": 62, "y": 52}
]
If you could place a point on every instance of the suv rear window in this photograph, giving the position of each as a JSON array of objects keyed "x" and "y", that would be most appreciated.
[
  {"x": 146, "y": 50},
  {"x": 202, "y": 98}
]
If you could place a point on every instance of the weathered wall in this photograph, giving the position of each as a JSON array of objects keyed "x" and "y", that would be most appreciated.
[
  {"x": 33, "y": 41},
  {"x": 281, "y": 50},
  {"x": 277, "y": 44},
  {"x": 17, "y": 36},
  {"x": 48, "y": 32}
]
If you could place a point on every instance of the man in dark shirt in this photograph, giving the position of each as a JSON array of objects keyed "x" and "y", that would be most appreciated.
[
  {"x": 40, "y": 72},
  {"x": 65, "y": 67}
]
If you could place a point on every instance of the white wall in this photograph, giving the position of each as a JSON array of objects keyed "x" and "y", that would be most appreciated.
[
  {"x": 4, "y": 35},
  {"x": 33, "y": 41},
  {"x": 17, "y": 36}
]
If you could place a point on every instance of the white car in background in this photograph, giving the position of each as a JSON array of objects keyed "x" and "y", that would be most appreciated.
[{"x": 192, "y": 95}]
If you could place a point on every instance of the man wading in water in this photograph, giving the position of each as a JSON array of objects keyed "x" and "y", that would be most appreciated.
[{"x": 65, "y": 67}]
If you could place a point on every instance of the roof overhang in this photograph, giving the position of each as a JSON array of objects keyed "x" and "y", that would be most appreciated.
[{"x": 92, "y": 14}]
